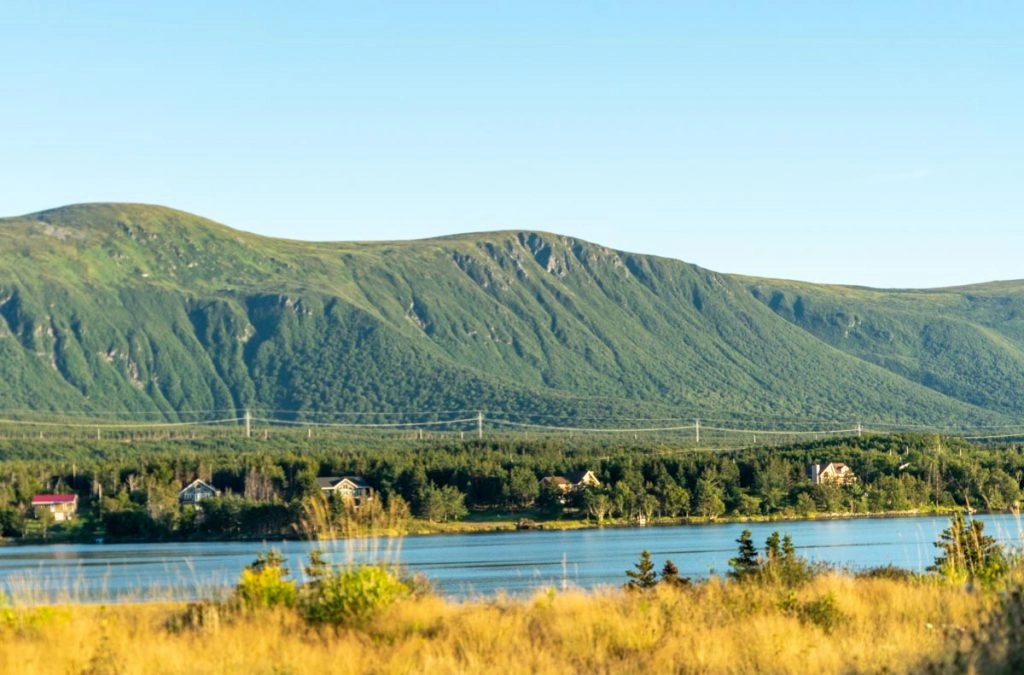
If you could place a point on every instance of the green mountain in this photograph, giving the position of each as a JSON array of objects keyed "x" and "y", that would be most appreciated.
[{"x": 131, "y": 309}]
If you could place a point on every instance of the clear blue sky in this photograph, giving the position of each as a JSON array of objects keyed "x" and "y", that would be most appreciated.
[{"x": 876, "y": 143}]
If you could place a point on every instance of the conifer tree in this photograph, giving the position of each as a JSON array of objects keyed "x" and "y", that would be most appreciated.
[
  {"x": 771, "y": 546},
  {"x": 644, "y": 576},
  {"x": 746, "y": 561},
  {"x": 670, "y": 575}
]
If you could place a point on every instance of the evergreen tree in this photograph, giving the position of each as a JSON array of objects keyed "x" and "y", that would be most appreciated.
[
  {"x": 746, "y": 561},
  {"x": 772, "y": 548},
  {"x": 670, "y": 575},
  {"x": 521, "y": 488},
  {"x": 644, "y": 576},
  {"x": 788, "y": 550},
  {"x": 782, "y": 565}
]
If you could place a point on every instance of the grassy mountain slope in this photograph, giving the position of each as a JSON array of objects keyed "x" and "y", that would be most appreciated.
[
  {"x": 966, "y": 343},
  {"x": 117, "y": 307}
]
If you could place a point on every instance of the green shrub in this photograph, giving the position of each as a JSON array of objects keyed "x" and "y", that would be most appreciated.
[
  {"x": 348, "y": 596},
  {"x": 968, "y": 554},
  {"x": 890, "y": 572},
  {"x": 822, "y": 612},
  {"x": 780, "y": 564},
  {"x": 783, "y": 566},
  {"x": 28, "y": 621},
  {"x": 265, "y": 584}
]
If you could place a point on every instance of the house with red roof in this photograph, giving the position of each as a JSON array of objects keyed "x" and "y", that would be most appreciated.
[{"x": 63, "y": 507}]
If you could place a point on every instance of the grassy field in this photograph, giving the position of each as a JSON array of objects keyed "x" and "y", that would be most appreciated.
[{"x": 833, "y": 624}]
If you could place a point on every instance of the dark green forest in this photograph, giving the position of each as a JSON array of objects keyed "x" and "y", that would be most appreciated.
[{"x": 269, "y": 489}]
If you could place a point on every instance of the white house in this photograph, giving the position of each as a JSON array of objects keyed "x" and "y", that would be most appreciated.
[
  {"x": 351, "y": 488},
  {"x": 833, "y": 473},
  {"x": 197, "y": 491}
]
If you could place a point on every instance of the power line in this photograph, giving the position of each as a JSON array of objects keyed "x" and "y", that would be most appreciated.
[
  {"x": 549, "y": 427},
  {"x": 772, "y": 432},
  {"x": 351, "y": 425},
  {"x": 137, "y": 425},
  {"x": 635, "y": 425},
  {"x": 354, "y": 413},
  {"x": 993, "y": 437}
]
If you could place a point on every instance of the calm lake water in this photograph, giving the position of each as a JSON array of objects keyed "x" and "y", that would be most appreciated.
[{"x": 464, "y": 566}]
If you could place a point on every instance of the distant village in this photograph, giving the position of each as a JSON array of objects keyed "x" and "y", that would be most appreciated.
[{"x": 581, "y": 489}]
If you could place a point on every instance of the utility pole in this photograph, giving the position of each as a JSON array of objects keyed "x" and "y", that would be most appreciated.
[
  {"x": 696, "y": 428},
  {"x": 860, "y": 430},
  {"x": 248, "y": 424},
  {"x": 480, "y": 425}
]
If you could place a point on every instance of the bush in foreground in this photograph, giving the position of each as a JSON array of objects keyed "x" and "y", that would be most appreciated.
[
  {"x": 968, "y": 554},
  {"x": 332, "y": 596},
  {"x": 348, "y": 596},
  {"x": 264, "y": 583}
]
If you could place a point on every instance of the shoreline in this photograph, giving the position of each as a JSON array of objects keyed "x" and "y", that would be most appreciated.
[{"x": 511, "y": 525}]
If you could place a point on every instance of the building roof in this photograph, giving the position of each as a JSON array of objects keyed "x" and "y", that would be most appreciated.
[
  {"x": 198, "y": 484},
  {"x": 331, "y": 482},
  {"x": 576, "y": 477},
  {"x": 555, "y": 480},
  {"x": 41, "y": 500}
]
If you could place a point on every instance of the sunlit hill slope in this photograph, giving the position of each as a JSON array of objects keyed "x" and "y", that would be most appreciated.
[{"x": 121, "y": 307}]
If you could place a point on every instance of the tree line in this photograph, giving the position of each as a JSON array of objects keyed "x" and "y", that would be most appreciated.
[{"x": 130, "y": 492}]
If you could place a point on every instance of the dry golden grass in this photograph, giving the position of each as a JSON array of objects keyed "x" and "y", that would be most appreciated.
[{"x": 882, "y": 625}]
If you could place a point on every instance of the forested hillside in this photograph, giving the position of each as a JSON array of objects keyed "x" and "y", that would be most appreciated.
[{"x": 117, "y": 308}]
